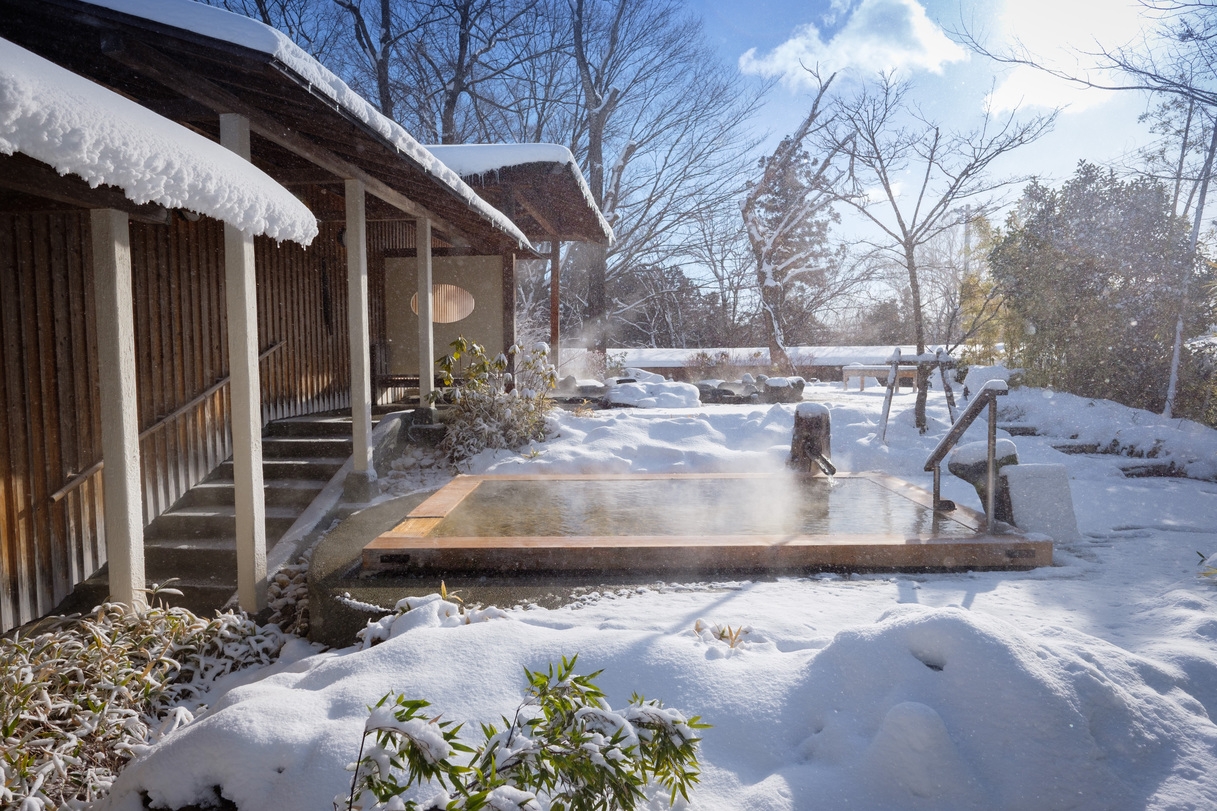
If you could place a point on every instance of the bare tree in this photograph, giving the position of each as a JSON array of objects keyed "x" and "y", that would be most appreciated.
[
  {"x": 659, "y": 136},
  {"x": 457, "y": 66},
  {"x": 311, "y": 24},
  {"x": 377, "y": 37},
  {"x": 786, "y": 213},
  {"x": 721, "y": 250},
  {"x": 908, "y": 177}
]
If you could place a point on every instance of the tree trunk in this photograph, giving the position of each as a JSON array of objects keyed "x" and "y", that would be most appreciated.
[
  {"x": 599, "y": 108},
  {"x": 771, "y": 307},
  {"x": 382, "y": 61},
  {"x": 923, "y": 370}
]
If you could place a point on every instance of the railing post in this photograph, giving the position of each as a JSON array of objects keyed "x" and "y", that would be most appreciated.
[{"x": 992, "y": 474}]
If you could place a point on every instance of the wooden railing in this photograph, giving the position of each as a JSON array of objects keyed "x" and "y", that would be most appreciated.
[
  {"x": 987, "y": 396},
  {"x": 83, "y": 476}
]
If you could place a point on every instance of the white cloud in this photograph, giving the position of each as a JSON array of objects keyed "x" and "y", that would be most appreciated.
[
  {"x": 1027, "y": 87},
  {"x": 880, "y": 35},
  {"x": 1062, "y": 36}
]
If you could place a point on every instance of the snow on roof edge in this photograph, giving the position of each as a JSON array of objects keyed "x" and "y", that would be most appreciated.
[
  {"x": 469, "y": 160},
  {"x": 76, "y": 126},
  {"x": 218, "y": 23}
]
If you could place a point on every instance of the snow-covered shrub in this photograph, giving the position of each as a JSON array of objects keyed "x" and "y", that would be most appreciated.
[
  {"x": 493, "y": 407},
  {"x": 444, "y": 610},
  {"x": 565, "y": 749},
  {"x": 79, "y": 701}
]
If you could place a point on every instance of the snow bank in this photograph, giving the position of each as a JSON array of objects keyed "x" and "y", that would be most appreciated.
[
  {"x": 1189, "y": 446},
  {"x": 953, "y": 709},
  {"x": 927, "y": 708},
  {"x": 78, "y": 127},
  {"x": 223, "y": 25},
  {"x": 1089, "y": 684}
]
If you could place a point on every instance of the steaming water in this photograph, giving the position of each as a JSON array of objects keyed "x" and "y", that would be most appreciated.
[{"x": 691, "y": 506}]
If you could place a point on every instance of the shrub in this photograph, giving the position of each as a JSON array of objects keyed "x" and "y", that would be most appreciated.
[
  {"x": 78, "y": 702},
  {"x": 566, "y": 749},
  {"x": 493, "y": 407}
]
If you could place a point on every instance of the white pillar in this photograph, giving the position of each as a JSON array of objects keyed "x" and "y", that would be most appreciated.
[
  {"x": 426, "y": 329},
  {"x": 358, "y": 324},
  {"x": 124, "y": 521},
  {"x": 241, "y": 287}
]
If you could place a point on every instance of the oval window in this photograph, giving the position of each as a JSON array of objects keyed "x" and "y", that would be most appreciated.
[{"x": 449, "y": 303}]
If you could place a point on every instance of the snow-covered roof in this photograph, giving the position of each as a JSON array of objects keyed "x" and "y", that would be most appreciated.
[
  {"x": 80, "y": 128},
  {"x": 752, "y": 356},
  {"x": 226, "y": 26},
  {"x": 477, "y": 160}
]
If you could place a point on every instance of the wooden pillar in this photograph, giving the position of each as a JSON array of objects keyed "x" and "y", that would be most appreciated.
[
  {"x": 358, "y": 324},
  {"x": 555, "y": 272},
  {"x": 426, "y": 328},
  {"x": 240, "y": 289},
  {"x": 509, "y": 300},
  {"x": 124, "y": 520}
]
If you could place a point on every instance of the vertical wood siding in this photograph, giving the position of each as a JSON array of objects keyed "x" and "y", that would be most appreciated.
[{"x": 52, "y": 538}]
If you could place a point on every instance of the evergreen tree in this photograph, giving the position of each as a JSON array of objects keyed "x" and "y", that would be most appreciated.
[{"x": 1098, "y": 269}]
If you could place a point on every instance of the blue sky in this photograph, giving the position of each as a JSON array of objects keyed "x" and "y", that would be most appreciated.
[{"x": 769, "y": 37}]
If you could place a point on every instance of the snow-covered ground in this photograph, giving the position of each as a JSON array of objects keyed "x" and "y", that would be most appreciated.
[{"x": 1087, "y": 685}]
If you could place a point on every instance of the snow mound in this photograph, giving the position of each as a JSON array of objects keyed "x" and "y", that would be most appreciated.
[
  {"x": 946, "y": 708},
  {"x": 652, "y": 391},
  {"x": 755, "y": 440}
]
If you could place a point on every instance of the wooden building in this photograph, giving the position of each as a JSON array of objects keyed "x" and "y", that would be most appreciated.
[{"x": 229, "y": 330}]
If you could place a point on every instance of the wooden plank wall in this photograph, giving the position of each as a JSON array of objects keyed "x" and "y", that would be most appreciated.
[
  {"x": 50, "y": 425},
  {"x": 50, "y": 422}
]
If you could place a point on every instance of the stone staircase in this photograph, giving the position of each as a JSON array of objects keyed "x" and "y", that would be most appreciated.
[{"x": 194, "y": 541}]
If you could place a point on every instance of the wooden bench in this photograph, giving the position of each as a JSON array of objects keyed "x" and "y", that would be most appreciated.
[{"x": 904, "y": 374}]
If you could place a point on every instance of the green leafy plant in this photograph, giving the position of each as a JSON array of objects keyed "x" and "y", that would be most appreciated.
[
  {"x": 565, "y": 749},
  {"x": 494, "y": 407},
  {"x": 81, "y": 699}
]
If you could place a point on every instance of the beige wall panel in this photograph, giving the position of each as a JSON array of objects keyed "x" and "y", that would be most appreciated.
[{"x": 480, "y": 275}]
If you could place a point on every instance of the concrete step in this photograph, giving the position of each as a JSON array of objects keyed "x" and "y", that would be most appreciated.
[
  {"x": 310, "y": 426},
  {"x": 305, "y": 447},
  {"x": 214, "y": 521},
  {"x": 192, "y": 561},
  {"x": 322, "y": 469},
  {"x": 201, "y": 598},
  {"x": 298, "y": 493},
  {"x": 279, "y": 493}
]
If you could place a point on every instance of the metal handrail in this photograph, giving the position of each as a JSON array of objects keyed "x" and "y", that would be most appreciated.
[{"x": 987, "y": 396}]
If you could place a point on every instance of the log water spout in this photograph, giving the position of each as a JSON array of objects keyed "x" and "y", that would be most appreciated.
[{"x": 810, "y": 444}]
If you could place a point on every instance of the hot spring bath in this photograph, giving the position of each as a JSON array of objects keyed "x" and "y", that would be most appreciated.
[{"x": 665, "y": 523}]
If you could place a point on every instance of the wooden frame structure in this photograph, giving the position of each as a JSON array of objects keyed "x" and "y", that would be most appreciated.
[
  {"x": 413, "y": 545},
  {"x": 230, "y": 332}
]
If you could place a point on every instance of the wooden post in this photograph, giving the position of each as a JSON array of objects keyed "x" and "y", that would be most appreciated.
[
  {"x": 509, "y": 306},
  {"x": 358, "y": 324},
  {"x": 555, "y": 272},
  {"x": 240, "y": 285},
  {"x": 124, "y": 519},
  {"x": 426, "y": 329}
]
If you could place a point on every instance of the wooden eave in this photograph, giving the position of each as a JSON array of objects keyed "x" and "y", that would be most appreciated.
[
  {"x": 301, "y": 137},
  {"x": 544, "y": 199}
]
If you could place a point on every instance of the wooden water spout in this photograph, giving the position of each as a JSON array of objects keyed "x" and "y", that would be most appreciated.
[{"x": 810, "y": 443}]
